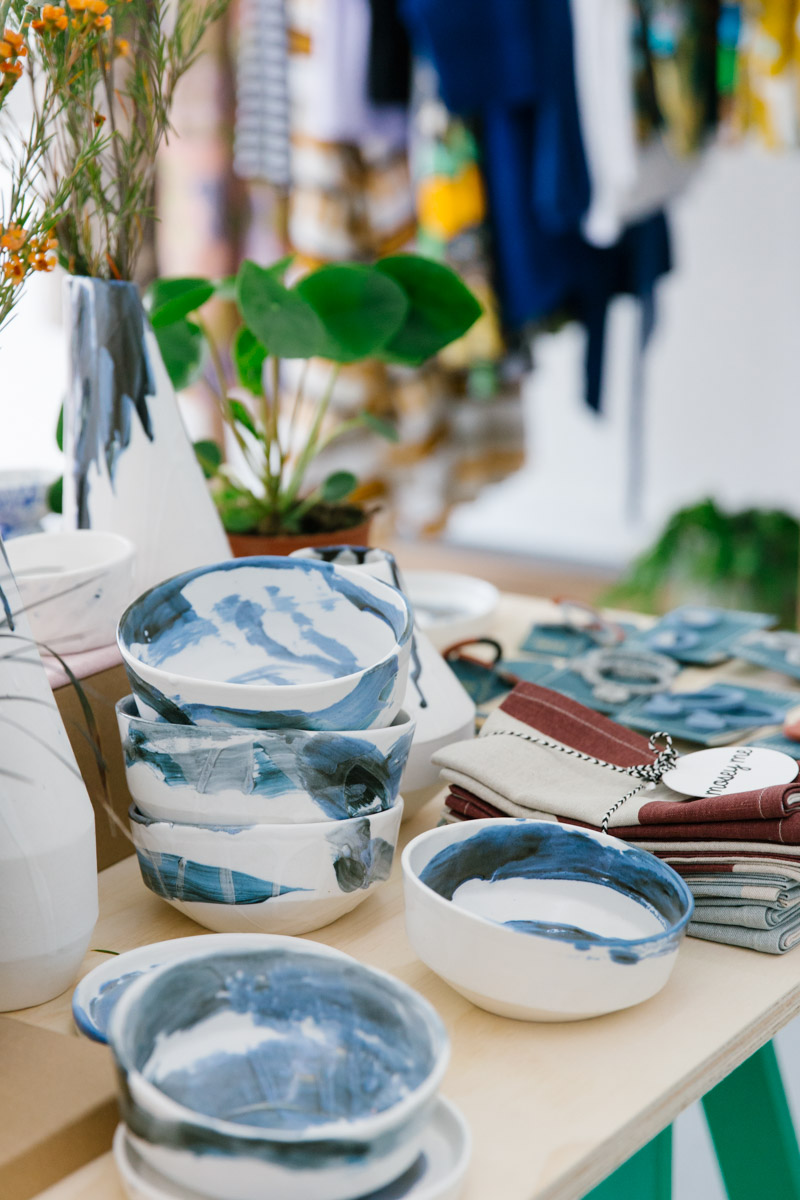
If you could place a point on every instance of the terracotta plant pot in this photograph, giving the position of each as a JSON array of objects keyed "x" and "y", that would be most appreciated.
[{"x": 244, "y": 545}]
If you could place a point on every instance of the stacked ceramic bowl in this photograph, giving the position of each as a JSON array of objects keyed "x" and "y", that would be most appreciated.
[
  {"x": 264, "y": 741},
  {"x": 287, "y": 1071}
]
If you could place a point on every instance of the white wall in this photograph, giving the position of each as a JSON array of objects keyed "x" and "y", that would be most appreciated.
[{"x": 722, "y": 407}]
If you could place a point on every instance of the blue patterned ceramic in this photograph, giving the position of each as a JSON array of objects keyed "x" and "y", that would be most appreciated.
[
  {"x": 281, "y": 1072},
  {"x": 220, "y": 774},
  {"x": 436, "y": 1174},
  {"x": 269, "y": 643},
  {"x": 23, "y": 501},
  {"x": 266, "y": 878},
  {"x": 541, "y": 921}
]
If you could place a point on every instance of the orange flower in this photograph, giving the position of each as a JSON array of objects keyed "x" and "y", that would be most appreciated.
[
  {"x": 14, "y": 40},
  {"x": 98, "y": 7},
  {"x": 53, "y": 19},
  {"x": 11, "y": 69},
  {"x": 103, "y": 22},
  {"x": 78, "y": 5},
  {"x": 122, "y": 47},
  {"x": 14, "y": 270},
  {"x": 99, "y": 120},
  {"x": 14, "y": 238}
]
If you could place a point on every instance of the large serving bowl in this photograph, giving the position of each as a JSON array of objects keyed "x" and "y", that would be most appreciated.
[
  {"x": 283, "y": 1072},
  {"x": 74, "y": 585},
  {"x": 269, "y": 643},
  {"x": 266, "y": 878},
  {"x": 220, "y": 774},
  {"x": 538, "y": 921}
]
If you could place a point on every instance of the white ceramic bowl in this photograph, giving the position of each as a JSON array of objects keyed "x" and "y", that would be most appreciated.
[
  {"x": 280, "y": 1072},
  {"x": 269, "y": 643},
  {"x": 437, "y": 1174},
  {"x": 74, "y": 586},
  {"x": 220, "y": 774},
  {"x": 266, "y": 878},
  {"x": 540, "y": 921},
  {"x": 450, "y": 607}
]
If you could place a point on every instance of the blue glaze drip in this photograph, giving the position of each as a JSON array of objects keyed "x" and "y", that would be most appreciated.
[
  {"x": 538, "y": 850},
  {"x": 176, "y": 878},
  {"x": 112, "y": 378}
]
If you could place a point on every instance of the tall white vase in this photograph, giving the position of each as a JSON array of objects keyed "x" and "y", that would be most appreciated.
[
  {"x": 130, "y": 467},
  {"x": 48, "y": 864}
]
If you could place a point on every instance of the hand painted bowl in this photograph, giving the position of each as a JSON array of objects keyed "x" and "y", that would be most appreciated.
[
  {"x": 266, "y": 878},
  {"x": 279, "y": 1072},
  {"x": 220, "y": 774},
  {"x": 269, "y": 643},
  {"x": 74, "y": 586},
  {"x": 542, "y": 922}
]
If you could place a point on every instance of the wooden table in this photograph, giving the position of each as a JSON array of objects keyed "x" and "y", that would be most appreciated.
[{"x": 553, "y": 1108}]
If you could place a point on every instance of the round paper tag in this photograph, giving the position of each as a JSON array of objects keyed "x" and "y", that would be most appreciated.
[{"x": 729, "y": 770}]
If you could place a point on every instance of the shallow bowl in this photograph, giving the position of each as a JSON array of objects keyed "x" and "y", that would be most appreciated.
[
  {"x": 450, "y": 607},
  {"x": 266, "y": 878},
  {"x": 280, "y": 1072},
  {"x": 542, "y": 922},
  {"x": 220, "y": 774},
  {"x": 269, "y": 643},
  {"x": 74, "y": 586}
]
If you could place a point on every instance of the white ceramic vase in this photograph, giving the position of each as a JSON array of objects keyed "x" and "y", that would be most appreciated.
[
  {"x": 130, "y": 467},
  {"x": 48, "y": 865}
]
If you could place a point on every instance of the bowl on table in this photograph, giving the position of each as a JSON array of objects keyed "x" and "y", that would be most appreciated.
[
  {"x": 540, "y": 921},
  {"x": 269, "y": 643},
  {"x": 74, "y": 585},
  {"x": 282, "y": 1072},
  {"x": 280, "y": 878},
  {"x": 221, "y": 774}
]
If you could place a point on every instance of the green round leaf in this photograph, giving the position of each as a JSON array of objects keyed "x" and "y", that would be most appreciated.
[
  {"x": 277, "y": 316},
  {"x": 60, "y": 435},
  {"x": 183, "y": 348},
  {"x": 360, "y": 308},
  {"x": 337, "y": 486},
  {"x": 248, "y": 359},
  {"x": 209, "y": 455},
  {"x": 441, "y": 308},
  {"x": 55, "y": 495},
  {"x": 171, "y": 299}
]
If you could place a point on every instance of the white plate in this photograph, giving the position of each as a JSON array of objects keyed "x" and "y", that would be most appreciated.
[
  {"x": 450, "y": 607},
  {"x": 438, "y": 1173},
  {"x": 98, "y": 993}
]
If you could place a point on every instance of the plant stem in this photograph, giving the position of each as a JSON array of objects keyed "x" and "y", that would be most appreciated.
[{"x": 310, "y": 448}]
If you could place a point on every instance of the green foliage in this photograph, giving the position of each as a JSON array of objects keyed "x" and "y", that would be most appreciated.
[
  {"x": 402, "y": 309},
  {"x": 209, "y": 455},
  {"x": 744, "y": 560}
]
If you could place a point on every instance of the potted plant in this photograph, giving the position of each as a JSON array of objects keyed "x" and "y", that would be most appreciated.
[
  {"x": 110, "y": 69},
  {"x": 402, "y": 309}
]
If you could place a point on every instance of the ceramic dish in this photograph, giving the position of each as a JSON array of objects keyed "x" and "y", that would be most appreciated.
[
  {"x": 74, "y": 585},
  {"x": 99, "y": 992},
  {"x": 451, "y": 607},
  {"x": 278, "y": 1072},
  {"x": 437, "y": 1174},
  {"x": 269, "y": 643},
  {"x": 542, "y": 922},
  {"x": 266, "y": 878},
  {"x": 219, "y": 774}
]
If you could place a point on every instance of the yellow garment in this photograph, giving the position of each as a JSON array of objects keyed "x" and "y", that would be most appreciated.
[{"x": 768, "y": 82}]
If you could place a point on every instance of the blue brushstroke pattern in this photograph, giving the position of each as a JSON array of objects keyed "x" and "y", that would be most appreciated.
[
  {"x": 176, "y": 878},
  {"x": 359, "y": 709},
  {"x": 359, "y": 859},
  {"x": 345, "y": 776},
  {"x": 537, "y": 850},
  {"x": 162, "y": 621}
]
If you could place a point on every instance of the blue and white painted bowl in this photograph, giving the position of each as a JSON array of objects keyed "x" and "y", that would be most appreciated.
[
  {"x": 266, "y": 878},
  {"x": 280, "y": 1072},
  {"x": 220, "y": 774},
  {"x": 269, "y": 643},
  {"x": 540, "y": 921}
]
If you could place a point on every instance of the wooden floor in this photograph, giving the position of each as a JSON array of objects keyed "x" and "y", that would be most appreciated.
[{"x": 508, "y": 572}]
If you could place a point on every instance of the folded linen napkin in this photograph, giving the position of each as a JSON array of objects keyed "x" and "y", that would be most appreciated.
[
  {"x": 778, "y": 940},
  {"x": 745, "y": 915},
  {"x": 522, "y": 778},
  {"x": 760, "y": 889}
]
